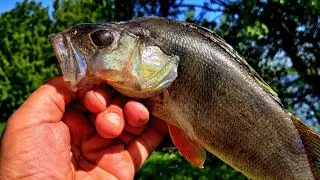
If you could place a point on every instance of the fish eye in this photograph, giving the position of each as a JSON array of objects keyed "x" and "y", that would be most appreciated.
[{"x": 102, "y": 38}]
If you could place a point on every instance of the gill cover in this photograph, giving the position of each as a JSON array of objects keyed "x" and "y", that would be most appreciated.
[{"x": 151, "y": 71}]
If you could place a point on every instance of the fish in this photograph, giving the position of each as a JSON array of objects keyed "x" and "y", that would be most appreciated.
[{"x": 209, "y": 96}]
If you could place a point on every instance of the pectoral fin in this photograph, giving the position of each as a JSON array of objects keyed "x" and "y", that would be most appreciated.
[{"x": 190, "y": 149}]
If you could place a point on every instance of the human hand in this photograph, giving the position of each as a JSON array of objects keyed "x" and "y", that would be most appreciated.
[{"x": 48, "y": 137}]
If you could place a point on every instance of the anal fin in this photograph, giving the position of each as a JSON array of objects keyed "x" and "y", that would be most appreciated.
[
  {"x": 311, "y": 142},
  {"x": 191, "y": 150}
]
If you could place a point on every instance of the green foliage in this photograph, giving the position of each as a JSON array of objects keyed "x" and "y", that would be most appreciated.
[
  {"x": 25, "y": 54},
  {"x": 70, "y": 12},
  {"x": 257, "y": 30},
  {"x": 2, "y": 126},
  {"x": 169, "y": 164}
]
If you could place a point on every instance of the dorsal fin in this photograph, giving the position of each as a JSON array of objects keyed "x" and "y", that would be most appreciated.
[
  {"x": 212, "y": 36},
  {"x": 311, "y": 142}
]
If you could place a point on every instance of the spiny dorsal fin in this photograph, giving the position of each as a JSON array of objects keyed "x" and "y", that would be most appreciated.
[
  {"x": 226, "y": 47},
  {"x": 311, "y": 142}
]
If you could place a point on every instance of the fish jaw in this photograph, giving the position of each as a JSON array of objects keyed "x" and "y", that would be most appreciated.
[{"x": 72, "y": 63}]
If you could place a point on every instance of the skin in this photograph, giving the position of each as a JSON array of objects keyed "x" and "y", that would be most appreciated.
[{"x": 52, "y": 136}]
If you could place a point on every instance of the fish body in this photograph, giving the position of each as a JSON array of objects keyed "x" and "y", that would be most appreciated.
[{"x": 209, "y": 96}]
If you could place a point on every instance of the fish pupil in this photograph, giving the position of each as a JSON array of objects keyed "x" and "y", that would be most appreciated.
[{"x": 102, "y": 38}]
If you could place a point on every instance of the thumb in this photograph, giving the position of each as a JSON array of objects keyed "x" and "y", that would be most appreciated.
[{"x": 45, "y": 105}]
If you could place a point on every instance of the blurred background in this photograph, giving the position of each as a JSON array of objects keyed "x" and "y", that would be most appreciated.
[{"x": 280, "y": 39}]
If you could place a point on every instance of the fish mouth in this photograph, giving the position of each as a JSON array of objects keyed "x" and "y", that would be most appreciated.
[{"x": 72, "y": 63}]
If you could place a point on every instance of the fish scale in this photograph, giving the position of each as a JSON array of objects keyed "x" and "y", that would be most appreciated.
[
  {"x": 239, "y": 89},
  {"x": 217, "y": 101}
]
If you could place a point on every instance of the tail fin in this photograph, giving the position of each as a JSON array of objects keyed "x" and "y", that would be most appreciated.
[{"x": 311, "y": 142}]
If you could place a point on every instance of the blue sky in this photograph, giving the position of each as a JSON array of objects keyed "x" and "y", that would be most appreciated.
[{"x": 6, "y": 5}]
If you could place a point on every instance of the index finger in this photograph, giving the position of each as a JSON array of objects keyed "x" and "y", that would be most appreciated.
[{"x": 45, "y": 105}]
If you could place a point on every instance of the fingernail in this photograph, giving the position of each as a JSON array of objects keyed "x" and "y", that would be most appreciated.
[{"x": 114, "y": 119}]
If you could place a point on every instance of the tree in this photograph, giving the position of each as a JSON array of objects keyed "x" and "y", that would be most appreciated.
[
  {"x": 70, "y": 12},
  {"x": 280, "y": 39},
  {"x": 26, "y": 59}
]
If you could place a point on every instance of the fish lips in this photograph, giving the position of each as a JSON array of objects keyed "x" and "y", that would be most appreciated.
[{"x": 72, "y": 62}]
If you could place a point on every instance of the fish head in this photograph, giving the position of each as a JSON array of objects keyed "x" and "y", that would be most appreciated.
[{"x": 110, "y": 54}]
